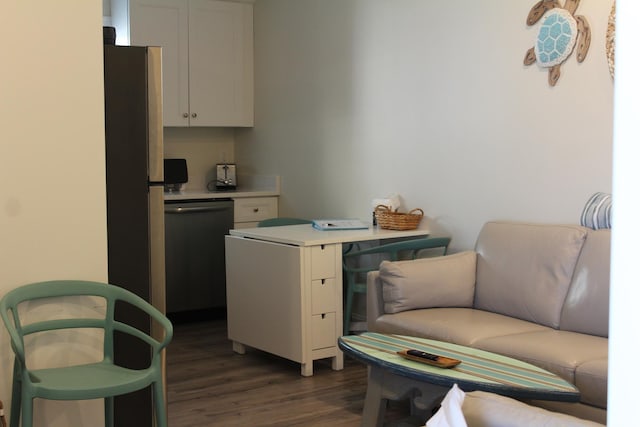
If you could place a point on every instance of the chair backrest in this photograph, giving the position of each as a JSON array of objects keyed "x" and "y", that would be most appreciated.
[
  {"x": 413, "y": 247},
  {"x": 276, "y": 222},
  {"x": 68, "y": 288}
]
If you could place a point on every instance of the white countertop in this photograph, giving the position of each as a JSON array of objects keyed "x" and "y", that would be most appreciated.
[
  {"x": 204, "y": 194},
  {"x": 250, "y": 186},
  {"x": 306, "y": 235}
]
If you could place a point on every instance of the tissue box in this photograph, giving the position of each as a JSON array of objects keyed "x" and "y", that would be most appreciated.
[{"x": 392, "y": 202}]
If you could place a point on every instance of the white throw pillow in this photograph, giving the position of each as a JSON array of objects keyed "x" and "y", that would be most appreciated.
[
  {"x": 450, "y": 412},
  {"x": 446, "y": 281}
]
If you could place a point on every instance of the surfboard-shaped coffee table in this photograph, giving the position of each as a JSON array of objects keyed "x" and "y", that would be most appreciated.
[{"x": 392, "y": 377}]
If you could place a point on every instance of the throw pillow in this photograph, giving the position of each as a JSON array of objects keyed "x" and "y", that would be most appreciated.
[
  {"x": 450, "y": 412},
  {"x": 446, "y": 281}
]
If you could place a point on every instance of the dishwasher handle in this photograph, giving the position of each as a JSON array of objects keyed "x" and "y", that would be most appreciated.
[{"x": 194, "y": 209}]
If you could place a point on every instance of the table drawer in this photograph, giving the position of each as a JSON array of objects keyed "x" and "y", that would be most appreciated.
[
  {"x": 323, "y": 331},
  {"x": 323, "y": 296},
  {"x": 253, "y": 209},
  {"x": 323, "y": 261}
]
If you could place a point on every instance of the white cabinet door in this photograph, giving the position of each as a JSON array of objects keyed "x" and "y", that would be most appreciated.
[
  {"x": 207, "y": 48},
  {"x": 247, "y": 212},
  {"x": 165, "y": 23},
  {"x": 221, "y": 63}
]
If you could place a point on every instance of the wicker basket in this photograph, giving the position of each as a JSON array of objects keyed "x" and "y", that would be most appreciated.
[{"x": 387, "y": 219}]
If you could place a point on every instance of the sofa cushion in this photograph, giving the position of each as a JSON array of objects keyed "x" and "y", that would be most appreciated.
[
  {"x": 561, "y": 352},
  {"x": 446, "y": 281},
  {"x": 462, "y": 326},
  {"x": 586, "y": 308},
  {"x": 524, "y": 270},
  {"x": 482, "y": 409},
  {"x": 591, "y": 380}
]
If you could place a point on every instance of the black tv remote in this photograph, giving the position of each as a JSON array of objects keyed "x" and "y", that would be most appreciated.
[
  {"x": 422, "y": 354},
  {"x": 429, "y": 358}
]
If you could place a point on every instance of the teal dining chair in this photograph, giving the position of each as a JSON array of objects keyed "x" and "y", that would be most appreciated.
[
  {"x": 101, "y": 379},
  {"x": 355, "y": 270},
  {"x": 276, "y": 222}
]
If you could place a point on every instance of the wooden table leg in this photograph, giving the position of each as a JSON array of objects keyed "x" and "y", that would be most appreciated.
[
  {"x": 306, "y": 369},
  {"x": 383, "y": 386},
  {"x": 337, "y": 362},
  {"x": 238, "y": 347},
  {"x": 375, "y": 405}
]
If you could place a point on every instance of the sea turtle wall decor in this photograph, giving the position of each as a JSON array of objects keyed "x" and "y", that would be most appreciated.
[
  {"x": 610, "y": 41},
  {"x": 559, "y": 31}
]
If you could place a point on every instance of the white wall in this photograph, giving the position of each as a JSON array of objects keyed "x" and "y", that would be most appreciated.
[
  {"x": 202, "y": 147},
  {"x": 496, "y": 116},
  {"x": 624, "y": 313},
  {"x": 52, "y": 197},
  {"x": 359, "y": 99}
]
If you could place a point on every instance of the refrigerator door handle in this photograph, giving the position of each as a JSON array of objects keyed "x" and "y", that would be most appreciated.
[{"x": 154, "y": 102}]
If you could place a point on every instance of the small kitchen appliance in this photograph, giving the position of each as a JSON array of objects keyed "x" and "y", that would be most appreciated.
[
  {"x": 175, "y": 174},
  {"x": 225, "y": 176}
]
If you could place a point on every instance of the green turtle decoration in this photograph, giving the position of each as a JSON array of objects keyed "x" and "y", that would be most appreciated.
[{"x": 560, "y": 31}]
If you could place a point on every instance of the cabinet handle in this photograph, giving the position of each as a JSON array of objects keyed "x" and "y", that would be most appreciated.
[
  {"x": 185, "y": 115},
  {"x": 197, "y": 209},
  {"x": 194, "y": 115}
]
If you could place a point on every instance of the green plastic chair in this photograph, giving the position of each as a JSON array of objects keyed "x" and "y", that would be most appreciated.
[
  {"x": 276, "y": 222},
  {"x": 407, "y": 249},
  {"x": 102, "y": 379}
]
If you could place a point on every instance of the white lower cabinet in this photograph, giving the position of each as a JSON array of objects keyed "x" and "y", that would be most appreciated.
[
  {"x": 285, "y": 299},
  {"x": 323, "y": 327},
  {"x": 323, "y": 261},
  {"x": 247, "y": 212},
  {"x": 284, "y": 290},
  {"x": 323, "y": 296}
]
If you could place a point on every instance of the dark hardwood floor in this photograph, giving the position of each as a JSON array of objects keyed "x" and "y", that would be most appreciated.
[{"x": 210, "y": 385}]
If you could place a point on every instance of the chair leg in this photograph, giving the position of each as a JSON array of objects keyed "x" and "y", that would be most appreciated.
[
  {"x": 16, "y": 408},
  {"x": 27, "y": 412},
  {"x": 108, "y": 411},
  {"x": 159, "y": 404},
  {"x": 16, "y": 397},
  {"x": 347, "y": 309}
]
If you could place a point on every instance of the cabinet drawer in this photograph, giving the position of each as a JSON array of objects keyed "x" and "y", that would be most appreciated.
[
  {"x": 323, "y": 262},
  {"x": 323, "y": 296},
  {"x": 253, "y": 209},
  {"x": 323, "y": 331}
]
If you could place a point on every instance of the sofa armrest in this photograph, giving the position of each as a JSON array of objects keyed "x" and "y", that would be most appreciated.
[{"x": 375, "y": 302}]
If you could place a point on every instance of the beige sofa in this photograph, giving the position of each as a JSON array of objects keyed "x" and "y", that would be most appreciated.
[
  {"x": 482, "y": 409},
  {"x": 535, "y": 292}
]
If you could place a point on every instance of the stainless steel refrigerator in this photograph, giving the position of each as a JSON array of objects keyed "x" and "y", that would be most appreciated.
[{"x": 135, "y": 201}]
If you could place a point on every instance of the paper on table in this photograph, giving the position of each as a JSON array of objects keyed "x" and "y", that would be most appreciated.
[{"x": 339, "y": 224}]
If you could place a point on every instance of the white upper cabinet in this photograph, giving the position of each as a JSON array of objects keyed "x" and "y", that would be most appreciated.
[
  {"x": 207, "y": 48},
  {"x": 221, "y": 38}
]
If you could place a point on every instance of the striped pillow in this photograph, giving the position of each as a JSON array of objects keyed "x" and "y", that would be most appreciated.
[{"x": 597, "y": 212}]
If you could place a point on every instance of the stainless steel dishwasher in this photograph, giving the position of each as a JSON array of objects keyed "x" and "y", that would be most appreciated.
[{"x": 194, "y": 253}]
